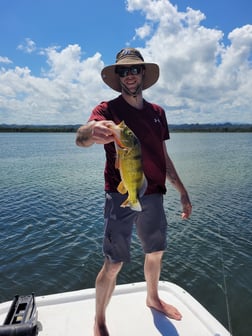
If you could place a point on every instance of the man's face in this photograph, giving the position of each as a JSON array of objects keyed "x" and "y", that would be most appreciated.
[{"x": 131, "y": 77}]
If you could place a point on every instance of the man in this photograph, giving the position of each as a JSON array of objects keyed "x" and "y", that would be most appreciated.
[{"x": 130, "y": 75}]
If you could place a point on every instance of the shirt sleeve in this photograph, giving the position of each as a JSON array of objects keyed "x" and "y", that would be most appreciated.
[
  {"x": 166, "y": 135},
  {"x": 100, "y": 112}
]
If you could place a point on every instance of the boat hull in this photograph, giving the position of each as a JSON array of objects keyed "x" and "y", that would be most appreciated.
[{"x": 72, "y": 313}]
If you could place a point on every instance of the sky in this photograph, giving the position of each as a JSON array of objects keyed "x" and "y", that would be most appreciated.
[{"x": 52, "y": 53}]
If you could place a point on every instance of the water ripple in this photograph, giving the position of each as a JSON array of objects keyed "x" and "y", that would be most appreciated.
[{"x": 52, "y": 220}]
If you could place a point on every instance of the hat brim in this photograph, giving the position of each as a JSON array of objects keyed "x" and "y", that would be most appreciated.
[{"x": 151, "y": 75}]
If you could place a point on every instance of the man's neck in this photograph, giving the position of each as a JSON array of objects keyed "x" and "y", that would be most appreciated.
[{"x": 135, "y": 101}]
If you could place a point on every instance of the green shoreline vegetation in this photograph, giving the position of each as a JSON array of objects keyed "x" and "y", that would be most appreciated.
[{"x": 222, "y": 127}]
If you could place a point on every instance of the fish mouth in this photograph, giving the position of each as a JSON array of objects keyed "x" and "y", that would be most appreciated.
[
  {"x": 116, "y": 131},
  {"x": 120, "y": 144}
]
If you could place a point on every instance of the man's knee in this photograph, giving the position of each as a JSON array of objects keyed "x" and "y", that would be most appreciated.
[
  {"x": 154, "y": 255},
  {"x": 112, "y": 269}
]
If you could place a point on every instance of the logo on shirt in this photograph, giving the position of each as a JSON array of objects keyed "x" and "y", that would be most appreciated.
[{"x": 156, "y": 120}]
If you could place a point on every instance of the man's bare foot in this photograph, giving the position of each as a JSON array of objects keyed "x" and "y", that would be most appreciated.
[
  {"x": 100, "y": 330},
  {"x": 169, "y": 310}
]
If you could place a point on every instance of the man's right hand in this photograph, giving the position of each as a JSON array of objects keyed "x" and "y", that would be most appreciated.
[{"x": 95, "y": 132}]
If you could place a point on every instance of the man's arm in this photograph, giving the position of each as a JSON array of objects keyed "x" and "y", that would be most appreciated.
[
  {"x": 174, "y": 179},
  {"x": 94, "y": 132}
]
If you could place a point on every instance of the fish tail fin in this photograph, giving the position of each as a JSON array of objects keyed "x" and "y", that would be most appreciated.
[{"x": 134, "y": 205}]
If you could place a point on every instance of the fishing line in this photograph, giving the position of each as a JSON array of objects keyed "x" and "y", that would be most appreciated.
[
  {"x": 224, "y": 281},
  {"x": 224, "y": 287}
]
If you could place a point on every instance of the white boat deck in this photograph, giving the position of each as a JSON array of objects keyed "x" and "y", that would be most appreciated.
[{"x": 72, "y": 313}]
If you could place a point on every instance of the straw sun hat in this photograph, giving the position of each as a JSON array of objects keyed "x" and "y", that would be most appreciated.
[{"x": 128, "y": 57}]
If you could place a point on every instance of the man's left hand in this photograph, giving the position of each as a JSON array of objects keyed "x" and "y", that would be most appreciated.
[{"x": 186, "y": 206}]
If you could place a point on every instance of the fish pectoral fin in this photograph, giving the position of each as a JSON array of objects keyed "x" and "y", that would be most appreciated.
[
  {"x": 143, "y": 187},
  {"x": 121, "y": 188}
]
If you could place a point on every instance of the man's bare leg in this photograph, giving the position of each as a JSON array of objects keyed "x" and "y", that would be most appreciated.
[
  {"x": 152, "y": 270},
  {"x": 105, "y": 284}
]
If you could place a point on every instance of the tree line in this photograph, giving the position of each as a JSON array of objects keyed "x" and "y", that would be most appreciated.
[{"x": 225, "y": 127}]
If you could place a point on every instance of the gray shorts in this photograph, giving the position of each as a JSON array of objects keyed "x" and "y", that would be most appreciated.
[{"x": 151, "y": 226}]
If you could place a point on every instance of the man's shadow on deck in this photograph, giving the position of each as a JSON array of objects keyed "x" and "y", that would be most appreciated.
[{"x": 163, "y": 324}]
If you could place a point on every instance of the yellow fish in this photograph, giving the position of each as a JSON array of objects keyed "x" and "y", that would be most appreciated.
[{"x": 129, "y": 163}]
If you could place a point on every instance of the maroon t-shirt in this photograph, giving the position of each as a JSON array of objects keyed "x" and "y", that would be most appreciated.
[{"x": 150, "y": 126}]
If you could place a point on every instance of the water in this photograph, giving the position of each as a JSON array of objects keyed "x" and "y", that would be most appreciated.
[{"x": 51, "y": 204}]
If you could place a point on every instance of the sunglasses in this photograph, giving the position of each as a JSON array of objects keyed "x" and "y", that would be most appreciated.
[{"x": 133, "y": 70}]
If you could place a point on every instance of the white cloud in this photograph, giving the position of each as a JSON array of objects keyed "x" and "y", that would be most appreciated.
[
  {"x": 143, "y": 32},
  {"x": 64, "y": 94},
  {"x": 5, "y": 60},
  {"x": 28, "y": 46},
  {"x": 201, "y": 80}
]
